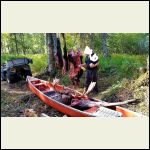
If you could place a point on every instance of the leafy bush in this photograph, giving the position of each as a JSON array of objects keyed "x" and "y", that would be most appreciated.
[{"x": 122, "y": 65}]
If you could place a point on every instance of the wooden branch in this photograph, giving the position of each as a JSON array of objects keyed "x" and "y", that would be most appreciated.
[{"x": 119, "y": 103}]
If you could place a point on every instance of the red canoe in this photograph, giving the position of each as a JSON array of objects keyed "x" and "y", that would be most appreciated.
[{"x": 52, "y": 97}]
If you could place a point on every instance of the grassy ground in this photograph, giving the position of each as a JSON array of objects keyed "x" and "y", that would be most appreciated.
[
  {"x": 121, "y": 63},
  {"x": 16, "y": 98},
  {"x": 114, "y": 68}
]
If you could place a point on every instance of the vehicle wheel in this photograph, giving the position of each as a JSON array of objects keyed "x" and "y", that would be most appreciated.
[
  {"x": 2, "y": 77},
  {"x": 28, "y": 73},
  {"x": 9, "y": 80}
]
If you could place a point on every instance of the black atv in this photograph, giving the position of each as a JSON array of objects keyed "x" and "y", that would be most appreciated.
[{"x": 14, "y": 70}]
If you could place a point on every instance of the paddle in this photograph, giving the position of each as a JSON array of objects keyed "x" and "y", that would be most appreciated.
[
  {"x": 90, "y": 88},
  {"x": 76, "y": 92},
  {"x": 105, "y": 104},
  {"x": 118, "y": 103}
]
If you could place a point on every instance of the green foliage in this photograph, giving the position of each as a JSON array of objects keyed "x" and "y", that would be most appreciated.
[
  {"x": 72, "y": 40},
  {"x": 65, "y": 80},
  {"x": 118, "y": 66},
  {"x": 5, "y": 57},
  {"x": 26, "y": 43},
  {"x": 122, "y": 65},
  {"x": 39, "y": 62},
  {"x": 123, "y": 48},
  {"x": 97, "y": 43},
  {"x": 131, "y": 43}
]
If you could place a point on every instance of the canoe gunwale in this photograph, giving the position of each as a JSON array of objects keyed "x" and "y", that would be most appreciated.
[
  {"x": 35, "y": 90},
  {"x": 57, "y": 102}
]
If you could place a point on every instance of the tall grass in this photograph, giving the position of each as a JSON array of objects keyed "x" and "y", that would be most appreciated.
[
  {"x": 39, "y": 62},
  {"x": 120, "y": 65},
  {"x": 123, "y": 65}
]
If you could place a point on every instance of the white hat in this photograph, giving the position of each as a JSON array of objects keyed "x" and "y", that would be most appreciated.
[
  {"x": 94, "y": 57},
  {"x": 88, "y": 50}
]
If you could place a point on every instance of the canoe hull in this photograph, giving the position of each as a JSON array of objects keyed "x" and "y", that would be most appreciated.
[
  {"x": 67, "y": 110},
  {"x": 55, "y": 105}
]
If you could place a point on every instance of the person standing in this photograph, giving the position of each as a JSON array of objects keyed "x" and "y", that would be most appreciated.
[
  {"x": 75, "y": 72},
  {"x": 91, "y": 65}
]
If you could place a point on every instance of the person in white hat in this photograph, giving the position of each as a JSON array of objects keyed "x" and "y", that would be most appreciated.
[{"x": 91, "y": 65}]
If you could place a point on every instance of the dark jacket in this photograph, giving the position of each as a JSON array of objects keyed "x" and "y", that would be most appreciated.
[{"x": 91, "y": 72}]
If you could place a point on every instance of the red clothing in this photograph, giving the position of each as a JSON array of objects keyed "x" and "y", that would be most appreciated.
[
  {"x": 74, "y": 67},
  {"x": 64, "y": 67}
]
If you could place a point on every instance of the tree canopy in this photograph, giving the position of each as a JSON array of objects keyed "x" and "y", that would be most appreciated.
[{"x": 26, "y": 43}]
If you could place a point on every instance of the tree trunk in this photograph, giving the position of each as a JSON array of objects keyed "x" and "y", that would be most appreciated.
[
  {"x": 59, "y": 53},
  {"x": 49, "y": 42},
  {"x": 92, "y": 40},
  {"x": 65, "y": 57},
  {"x": 75, "y": 39},
  {"x": 148, "y": 62},
  {"x": 54, "y": 36},
  {"x": 23, "y": 43},
  {"x": 16, "y": 44},
  {"x": 56, "y": 62},
  {"x": 104, "y": 47},
  {"x": 81, "y": 40}
]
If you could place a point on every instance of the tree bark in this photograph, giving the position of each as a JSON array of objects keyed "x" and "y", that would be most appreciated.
[
  {"x": 81, "y": 40},
  {"x": 16, "y": 44},
  {"x": 104, "y": 47},
  {"x": 59, "y": 53},
  {"x": 65, "y": 57},
  {"x": 23, "y": 43},
  {"x": 54, "y": 36},
  {"x": 49, "y": 42},
  {"x": 91, "y": 40},
  {"x": 148, "y": 62}
]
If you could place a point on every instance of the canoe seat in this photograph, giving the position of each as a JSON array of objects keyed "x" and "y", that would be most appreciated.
[
  {"x": 92, "y": 109},
  {"x": 49, "y": 93},
  {"x": 79, "y": 104},
  {"x": 75, "y": 103},
  {"x": 38, "y": 84},
  {"x": 106, "y": 112},
  {"x": 47, "y": 90},
  {"x": 53, "y": 95}
]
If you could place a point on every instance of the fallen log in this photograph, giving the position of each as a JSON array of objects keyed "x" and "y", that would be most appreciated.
[{"x": 118, "y": 103}]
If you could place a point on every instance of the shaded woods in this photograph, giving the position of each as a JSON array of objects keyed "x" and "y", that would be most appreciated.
[{"x": 25, "y": 43}]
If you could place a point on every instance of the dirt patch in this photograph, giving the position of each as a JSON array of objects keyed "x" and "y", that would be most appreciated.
[
  {"x": 121, "y": 95},
  {"x": 126, "y": 90},
  {"x": 15, "y": 98}
]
